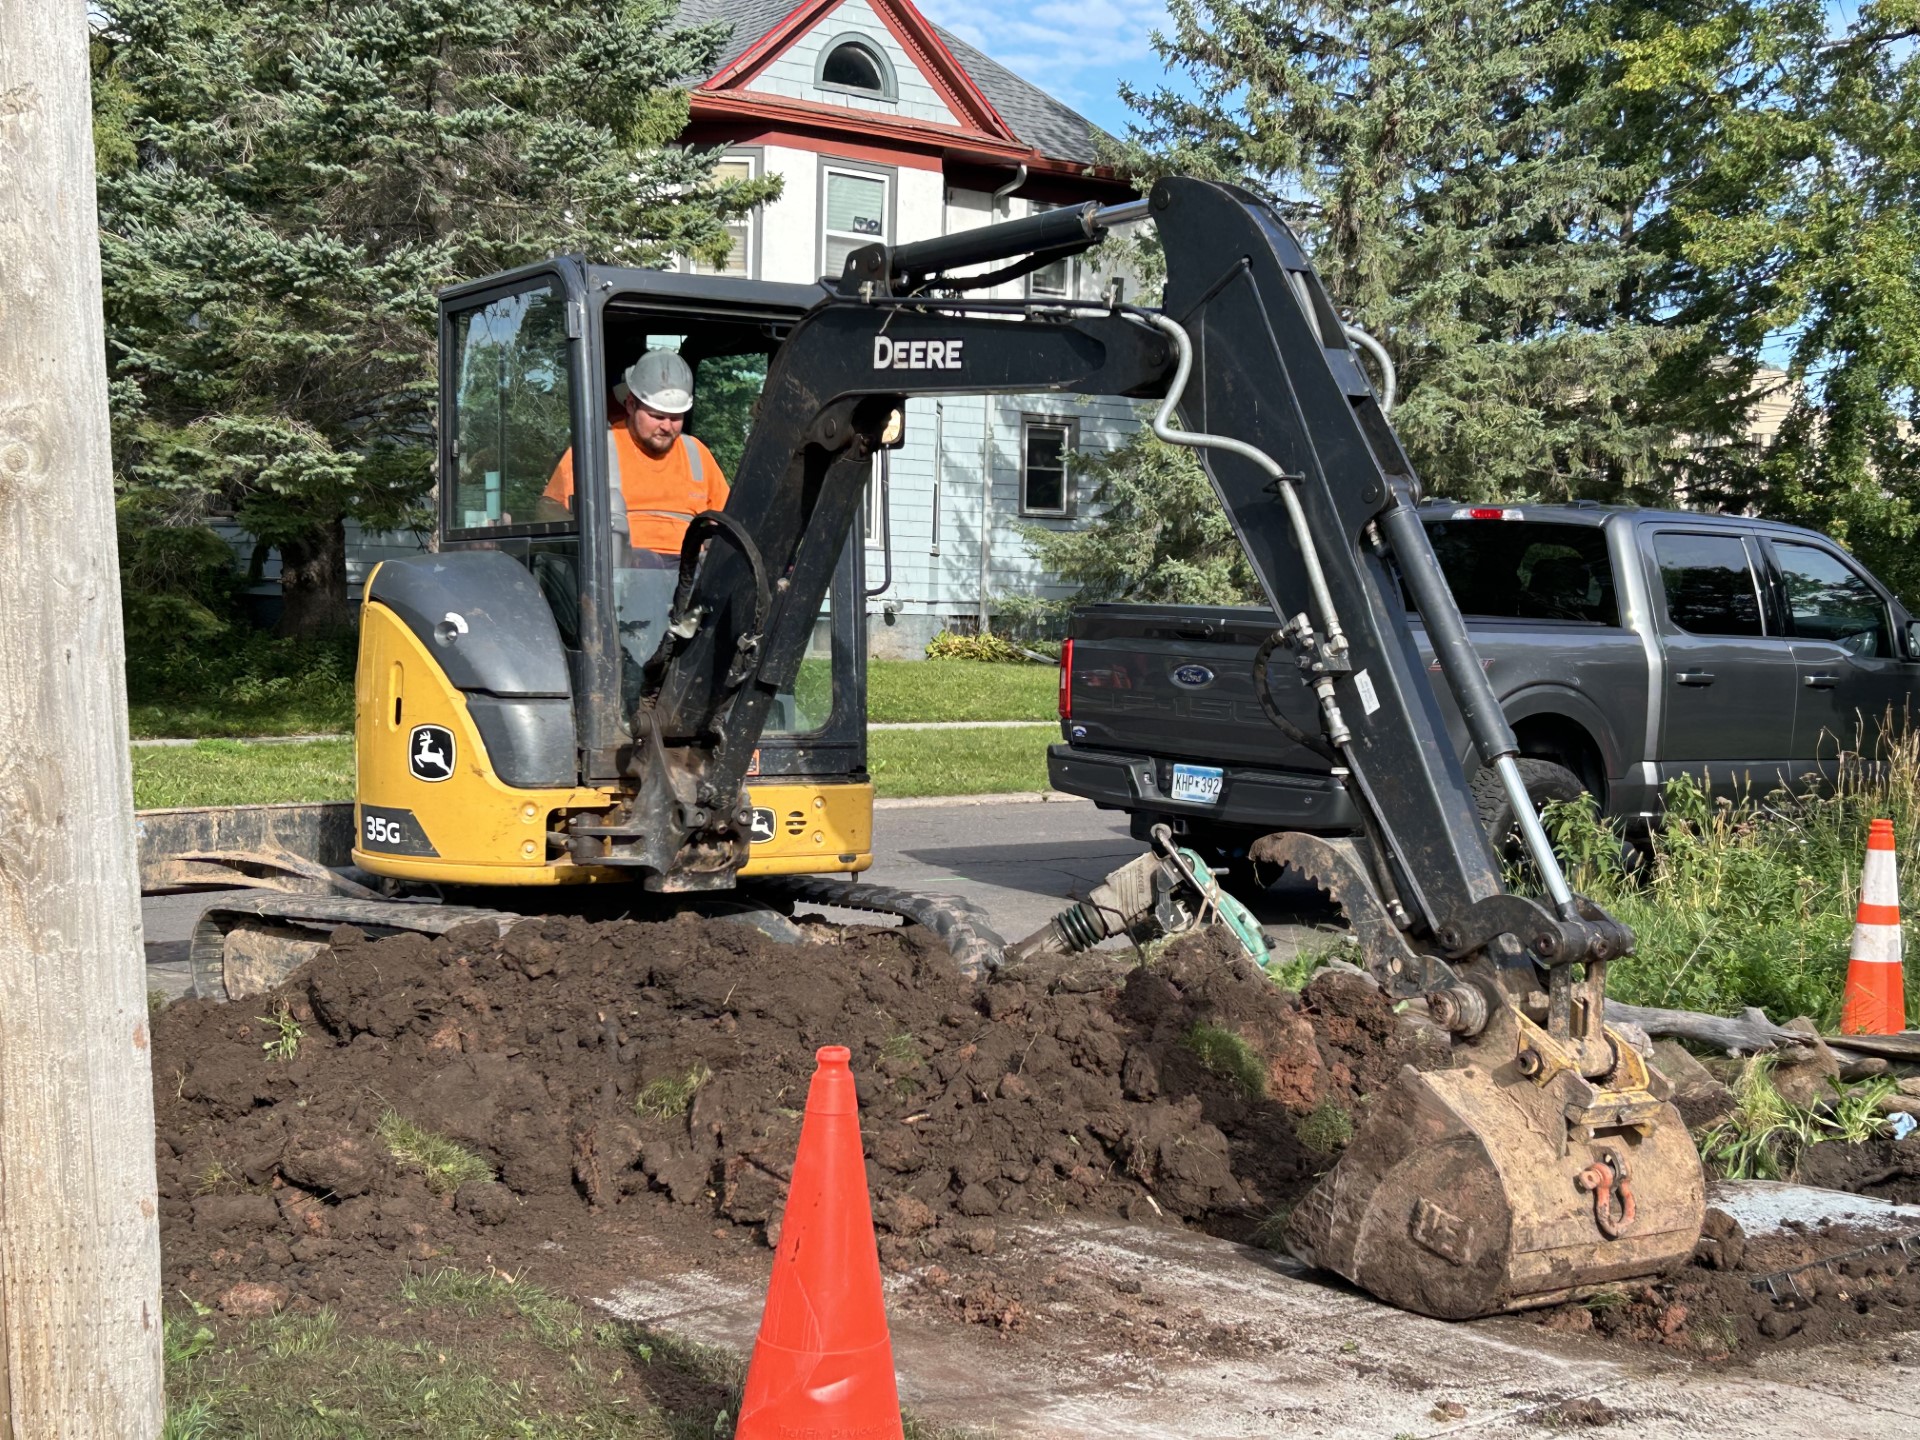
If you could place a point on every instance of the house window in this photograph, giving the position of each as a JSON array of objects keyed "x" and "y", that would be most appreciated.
[
  {"x": 1055, "y": 281},
  {"x": 857, "y": 68},
  {"x": 740, "y": 260},
  {"x": 1046, "y": 450},
  {"x": 854, "y": 215}
]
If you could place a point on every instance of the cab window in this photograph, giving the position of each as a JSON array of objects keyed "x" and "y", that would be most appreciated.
[{"x": 513, "y": 407}]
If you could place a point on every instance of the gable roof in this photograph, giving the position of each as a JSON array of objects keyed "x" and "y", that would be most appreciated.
[
  {"x": 1036, "y": 117},
  {"x": 751, "y": 20},
  {"x": 1025, "y": 112}
]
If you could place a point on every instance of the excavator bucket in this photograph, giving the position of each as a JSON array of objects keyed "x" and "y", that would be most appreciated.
[{"x": 1482, "y": 1189}]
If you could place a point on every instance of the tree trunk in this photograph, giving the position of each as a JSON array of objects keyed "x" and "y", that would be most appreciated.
[
  {"x": 80, "y": 1321},
  {"x": 313, "y": 581}
]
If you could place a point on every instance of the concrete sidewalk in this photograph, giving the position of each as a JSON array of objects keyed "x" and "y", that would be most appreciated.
[{"x": 1310, "y": 1357}]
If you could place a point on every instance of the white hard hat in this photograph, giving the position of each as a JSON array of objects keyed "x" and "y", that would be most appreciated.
[{"x": 661, "y": 381}]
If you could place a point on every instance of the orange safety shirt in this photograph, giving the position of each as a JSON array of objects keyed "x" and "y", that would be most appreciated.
[{"x": 662, "y": 495}]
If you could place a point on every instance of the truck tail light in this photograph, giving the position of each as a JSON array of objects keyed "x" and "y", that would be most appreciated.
[
  {"x": 1066, "y": 680},
  {"x": 1488, "y": 512}
]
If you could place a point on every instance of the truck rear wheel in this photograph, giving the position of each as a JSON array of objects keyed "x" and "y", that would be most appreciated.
[{"x": 1544, "y": 781}]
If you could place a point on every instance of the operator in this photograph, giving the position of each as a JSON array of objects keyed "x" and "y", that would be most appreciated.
[{"x": 663, "y": 476}]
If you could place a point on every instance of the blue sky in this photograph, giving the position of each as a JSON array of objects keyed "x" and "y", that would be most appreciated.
[{"x": 1077, "y": 50}]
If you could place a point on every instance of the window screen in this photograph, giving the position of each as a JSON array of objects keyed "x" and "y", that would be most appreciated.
[
  {"x": 1827, "y": 601},
  {"x": 1527, "y": 570},
  {"x": 1057, "y": 279},
  {"x": 1709, "y": 584},
  {"x": 854, "y": 215}
]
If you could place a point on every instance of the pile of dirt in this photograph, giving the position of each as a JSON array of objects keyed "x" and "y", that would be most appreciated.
[
  {"x": 1880, "y": 1166},
  {"x": 1807, "y": 1284},
  {"x": 626, "y": 1077}
]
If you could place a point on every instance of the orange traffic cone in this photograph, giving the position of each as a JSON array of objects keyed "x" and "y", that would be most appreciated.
[
  {"x": 823, "y": 1364},
  {"x": 1876, "y": 1001}
]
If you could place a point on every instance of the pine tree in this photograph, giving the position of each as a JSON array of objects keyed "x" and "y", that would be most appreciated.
[
  {"x": 1158, "y": 534},
  {"x": 284, "y": 187},
  {"x": 1473, "y": 186}
]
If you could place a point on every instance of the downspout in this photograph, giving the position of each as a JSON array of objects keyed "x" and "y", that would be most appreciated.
[
  {"x": 986, "y": 502},
  {"x": 1005, "y": 192}
]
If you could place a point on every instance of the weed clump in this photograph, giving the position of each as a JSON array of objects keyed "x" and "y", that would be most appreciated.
[
  {"x": 1228, "y": 1056},
  {"x": 445, "y": 1165},
  {"x": 284, "y": 1041},
  {"x": 669, "y": 1096},
  {"x": 1747, "y": 900},
  {"x": 1765, "y": 1135},
  {"x": 1326, "y": 1129}
]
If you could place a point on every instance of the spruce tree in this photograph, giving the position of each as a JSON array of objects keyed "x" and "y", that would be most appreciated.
[
  {"x": 284, "y": 187},
  {"x": 1474, "y": 190}
]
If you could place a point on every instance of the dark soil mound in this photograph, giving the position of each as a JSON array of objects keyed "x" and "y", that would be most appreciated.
[
  {"x": 656, "y": 1071},
  {"x": 1804, "y": 1285},
  {"x": 1881, "y": 1166}
]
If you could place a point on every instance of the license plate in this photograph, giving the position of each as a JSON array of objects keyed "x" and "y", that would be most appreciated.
[{"x": 1199, "y": 783}]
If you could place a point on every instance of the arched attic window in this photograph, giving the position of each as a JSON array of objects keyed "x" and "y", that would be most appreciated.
[{"x": 855, "y": 67}]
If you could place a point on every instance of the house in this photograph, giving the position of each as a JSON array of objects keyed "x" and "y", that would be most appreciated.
[{"x": 884, "y": 126}]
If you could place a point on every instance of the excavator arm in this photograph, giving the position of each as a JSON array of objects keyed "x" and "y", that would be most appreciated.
[{"x": 1546, "y": 1161}]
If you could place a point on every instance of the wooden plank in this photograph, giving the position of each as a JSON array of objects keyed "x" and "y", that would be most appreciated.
[{"x": 80, "y": 1320}]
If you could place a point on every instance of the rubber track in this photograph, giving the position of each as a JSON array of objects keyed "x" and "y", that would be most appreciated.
[{"x": 961, "y": 925}]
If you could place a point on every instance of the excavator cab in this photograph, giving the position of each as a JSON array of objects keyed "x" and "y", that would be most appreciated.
[{"x": 500, "y": 676}]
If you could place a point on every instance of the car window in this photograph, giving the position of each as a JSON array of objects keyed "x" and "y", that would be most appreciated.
[
  {"x": 1827, "y": 601},
  {"x": 1526, "y": 570},
  {"x": 1709, "y": 584}
]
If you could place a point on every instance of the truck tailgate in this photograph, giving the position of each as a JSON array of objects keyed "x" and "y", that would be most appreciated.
[{"x": 1178, "y": 680}]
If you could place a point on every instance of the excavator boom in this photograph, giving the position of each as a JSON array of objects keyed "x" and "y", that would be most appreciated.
[{"x": 1547, "y": 1161}]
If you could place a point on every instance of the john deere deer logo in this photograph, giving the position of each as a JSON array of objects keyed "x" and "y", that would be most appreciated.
[{"x": 430, "y": 753}]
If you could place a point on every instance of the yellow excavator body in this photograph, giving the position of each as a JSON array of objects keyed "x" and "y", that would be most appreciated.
[{"x": 467, "y": 826}]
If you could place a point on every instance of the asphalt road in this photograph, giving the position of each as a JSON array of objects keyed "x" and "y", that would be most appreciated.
[{"x": 1021, "y": 860}]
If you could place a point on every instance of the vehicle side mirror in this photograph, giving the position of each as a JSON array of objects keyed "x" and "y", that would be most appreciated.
[{"x": 1913, "y": 639}]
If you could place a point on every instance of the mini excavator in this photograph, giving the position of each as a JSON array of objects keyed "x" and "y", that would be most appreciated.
[{"x": 528, "y": 720}]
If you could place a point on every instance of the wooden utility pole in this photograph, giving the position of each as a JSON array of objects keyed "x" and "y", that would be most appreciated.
[{"x": 79, "y": 1228}]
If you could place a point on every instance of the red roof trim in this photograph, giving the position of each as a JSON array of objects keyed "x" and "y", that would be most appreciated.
[
  {"x": 907, "y": 25},
  {"x": 841, "y": 120},
  {"x": 797, "y": 22},
  {"x": 779, "y": 112},
  {"x": 911, "y": 29}
]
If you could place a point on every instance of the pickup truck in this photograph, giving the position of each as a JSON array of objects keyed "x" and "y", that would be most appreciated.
[{"x": 1627, "y": 647}]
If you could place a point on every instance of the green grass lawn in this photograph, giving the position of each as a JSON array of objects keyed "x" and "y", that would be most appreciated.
[
  {"x": 896, "y": 690},
  {"x": 322, "y": 710},
  {"x": 454, "y": 1354},
  {"x": 903, "y": 762},
  {"x": 960, "y": 690},
  {"x": 226, "y": 772},
  {"x": 959, "y": 762},
  {"x": 457, "y": 1354}
]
